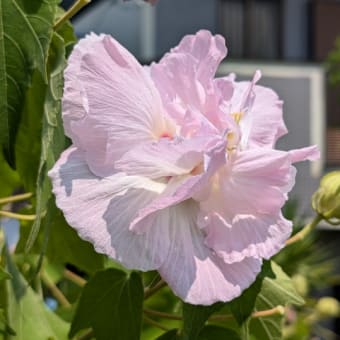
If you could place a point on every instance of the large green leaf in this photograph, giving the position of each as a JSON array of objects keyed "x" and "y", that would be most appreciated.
[
  {"x": 65, "y": 246},
  {"x": 218, "y": 333},
  {"x": 194, "y": 318},
  {"x": 28, "y": 142},
  {"x": 276, "y": 290},
  {"x": 169, "y": 335},
  {"x": 60, "y": 244},
  {"x": 25, "y": 32},
  {"x": 9, "y": 178},
  {"x": 26, "y": 312},
  {"x": 243, "y": 306},
  {"x": 111, "y": 304},
  {"x": 53, "y": 140}
]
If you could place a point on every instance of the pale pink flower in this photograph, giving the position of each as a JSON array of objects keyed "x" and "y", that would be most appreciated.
[{"x": 172, "y": 169}]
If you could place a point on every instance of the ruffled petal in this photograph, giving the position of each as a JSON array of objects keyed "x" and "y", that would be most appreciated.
[
  {"x": 193, "y": 272},
  {"x": 101, "y": 209},
  {"x": 310, "y": 153},
  {"x": 254, "y": 182},
  {"x": 181, "y": 188},
  {"x": 262, "y": 123},
  {"x": 184, "y": 76},
  {"x": 163, "y": 158},
  {"x": 118, "y": 105},
  {"x": 207, "y": 50},
  {"x": 259, "y": 236}
]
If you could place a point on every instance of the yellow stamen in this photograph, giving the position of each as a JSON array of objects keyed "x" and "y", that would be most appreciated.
[{"x": 237, "y": 116}]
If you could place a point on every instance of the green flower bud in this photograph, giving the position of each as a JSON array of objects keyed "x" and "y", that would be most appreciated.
[
  {"x": 300, "y": 284},
  {"x": 326, "y": 200},
  {"x": 328, "y": 307}
]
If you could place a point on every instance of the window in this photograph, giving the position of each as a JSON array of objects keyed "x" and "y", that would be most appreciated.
[{"x": 252, "y": 28}]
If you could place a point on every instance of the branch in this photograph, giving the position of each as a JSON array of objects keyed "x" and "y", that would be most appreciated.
[
  {"x": 150, "y": 291},
  {"x": 75, "y": 8},
  {"x": 278, "y": 310},
  {"x": 17, "y": 216},
  {"x": 155, "y": 323},
  {"x": 15, "y": 198},
  {"x": 305, "y": 231},
  {"x": 161, "y": 314},
  {"x": 76, "y": 279},
  {"x": 55, "y": 291}
]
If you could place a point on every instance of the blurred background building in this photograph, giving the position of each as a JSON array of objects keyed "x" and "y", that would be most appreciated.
[{"x": 287, "y": 39}]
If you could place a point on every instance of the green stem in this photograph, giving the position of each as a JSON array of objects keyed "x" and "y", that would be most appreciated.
[
  {"x": 305, "y": 231},
  {"x": 15, "y": 198},
  {"x": 75, "y": 8},
  {"x": 161, "y": 314},
  {"x": 87, "y": 335},
  {"x": 258, "y": 314},
  {"x": 76, "y": 279},
  {"x": 55, "y": 291},
  {"x": 150, "y": 291},
  {"x": 155, "y": 323},
  {"x": 17, "y": 216}
]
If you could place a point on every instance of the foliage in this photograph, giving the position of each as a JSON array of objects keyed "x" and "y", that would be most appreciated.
[
  {"x": 333, "y": 63},
  {"x": 92, "y": 296}
]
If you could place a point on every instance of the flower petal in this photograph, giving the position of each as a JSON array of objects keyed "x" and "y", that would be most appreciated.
[
  {"x": 163, "y": 158},
  {"x": 259, "y": 236},
  {"x": 193, "y": 272},
  {"x": 254, "y": 182},
  {"x": 122, "y": 105},
  {"x": 101, "y": 209},
  {"x": 207, "y": 50},
  {"x": 262, "y": 123},
  {"x": 310, "y": 153},
  {"x": 184, "y": 76},
  {"x": 182, "y": 188}
]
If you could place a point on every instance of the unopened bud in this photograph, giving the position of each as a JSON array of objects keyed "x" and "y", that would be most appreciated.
[
  {"x": 300, "y": 284},
  {"x": 326, "y": 200},
  {"x": 328, "y": 307}
]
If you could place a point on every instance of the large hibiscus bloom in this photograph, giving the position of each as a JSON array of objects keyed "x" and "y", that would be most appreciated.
[{"x": 172, "y": 169}]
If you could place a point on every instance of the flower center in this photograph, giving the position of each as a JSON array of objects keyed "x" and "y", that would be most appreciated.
[
  {"x": 233, "y": 137},
  {"x": 166, "y": 135},
  {"x": 237, "y": 116}
]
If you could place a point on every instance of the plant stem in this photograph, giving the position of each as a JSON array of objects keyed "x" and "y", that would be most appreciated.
[
  {"x": 75, "y": 8},
  {"x": 15, "y": 198},
  {"x": 86, "y": 336},
  {"x": 258, "y": 314},
  {"x": 278, "y": 310},
  {"x": 150, "y": 291},
  {"x": 17, "y": 216},
  {"x": 55, "y": 291},
  {"x": 76, "y": 279},
  {"x": 155, "y": 323},
  {"x": 161, "y": 314},
  {"x": 305, "y": 231}
]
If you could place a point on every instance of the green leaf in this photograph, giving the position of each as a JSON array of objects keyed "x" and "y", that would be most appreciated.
[
  {"x": 26, "y": 312},
  {"x": 243, "y": 306},
  {"x": 25, "y": 32},
  {"x": 9, "y": 178},
  {"x": 111, "y": 304},
  {"x": 218, "y": 333},
  {"x": 4, "y": 275},
  {"x": 60, "y": 246},
  {"x": 169, "y": 335},
  {"x": 194, "y": 318},
  {"x": 66, "y": 31},
  {"x": 28, "y": 142},
  {"x": 276, "y": 290},
  {"x": 4, "y": 326},
  {"x": 53, "y": 140},
  {"x": 65, "y": 246}
]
